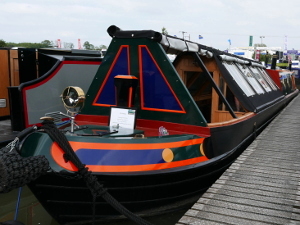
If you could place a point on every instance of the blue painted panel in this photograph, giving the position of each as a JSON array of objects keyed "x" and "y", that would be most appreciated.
[
  {"x": 157, "y": 93},
  {"x": 120, "y": 157},
  {"x": 107, "y": 95}
]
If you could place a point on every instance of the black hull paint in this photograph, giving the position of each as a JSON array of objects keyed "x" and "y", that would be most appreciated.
[
  {"x": 244, "y": 130},
  {"x": 142, "y": 194},
  {"x": 69, "y": 201}
]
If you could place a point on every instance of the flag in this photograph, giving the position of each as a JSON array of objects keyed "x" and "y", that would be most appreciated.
[
  {"x": 200, "y": 36},
  {"x": 229, "y": 41}
]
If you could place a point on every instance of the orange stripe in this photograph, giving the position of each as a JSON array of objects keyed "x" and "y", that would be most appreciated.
[
  {"x": 126, "y": 77},
  {"x": 57, "y": 154},
  {"x": 130, "y": 97},
  {"x": 124, "y": 146},
  {"x": 161, "y": 166}
]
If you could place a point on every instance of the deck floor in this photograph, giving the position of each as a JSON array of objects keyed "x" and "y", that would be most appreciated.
[{"x": 262, "y": 186}]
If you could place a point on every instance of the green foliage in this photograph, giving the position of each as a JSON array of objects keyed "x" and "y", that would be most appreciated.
[
  {"x": 102, "y": 47},
  {"x": 28, "y": 45},
  {"x": 88, "y": 46},
  {"x": 2, "y": 43},
  {"x": 164, "y": 31},
  {"x": 267, "y": 58},
  {"x": 48, "y": 44}
]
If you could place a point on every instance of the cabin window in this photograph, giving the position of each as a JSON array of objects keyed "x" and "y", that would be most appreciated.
[
  {"x": 231, "y": 99},
  {"x": 239, "y": 78},
  {"x": 268, "y": 79},
  {"x": 260, "y": 79},
  {"x": 200, "y": 88},
  {"x": 251, "y": 78}
]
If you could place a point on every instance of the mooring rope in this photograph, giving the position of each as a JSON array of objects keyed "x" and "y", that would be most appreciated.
[
  {"x": 16, "y": 171},
  {"x": 92, "y": 183}
]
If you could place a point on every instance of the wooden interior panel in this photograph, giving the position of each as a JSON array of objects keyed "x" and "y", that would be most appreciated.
[
  {"x": 14, "y": 68},
  {"x": 4, "y": 83},
  {"x": 226, "y": 119},
  {"x": 185, "y": 64}
]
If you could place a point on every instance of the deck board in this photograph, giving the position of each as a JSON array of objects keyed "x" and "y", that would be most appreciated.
[{"x": 262, "y": 186}]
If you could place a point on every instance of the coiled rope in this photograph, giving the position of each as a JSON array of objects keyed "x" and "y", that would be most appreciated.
[{"x": 16, "y": 171}]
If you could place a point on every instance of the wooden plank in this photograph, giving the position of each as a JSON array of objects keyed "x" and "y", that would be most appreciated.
[{"x": 262, "y": 186}]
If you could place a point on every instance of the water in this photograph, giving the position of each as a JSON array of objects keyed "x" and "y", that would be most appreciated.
[{"x": 31, "y": 212}]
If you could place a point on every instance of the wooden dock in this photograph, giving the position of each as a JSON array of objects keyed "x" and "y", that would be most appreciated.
[{"x": 263, "y": 185}]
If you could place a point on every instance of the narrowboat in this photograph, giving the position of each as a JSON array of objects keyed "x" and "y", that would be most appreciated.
[{"x": 154, "y": 133}]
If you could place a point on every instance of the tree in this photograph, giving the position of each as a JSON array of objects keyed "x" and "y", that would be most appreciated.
[
  {"x": 47, "y": 43},
  {"x": 68, "y": 45},
  {"x": 25, "y": 45},
  {"x": 2, "y": 43},
  {"x": 102, "y": 47},
  {"x": 164, "y": 31},
  {"x": 88, "y": 46}
]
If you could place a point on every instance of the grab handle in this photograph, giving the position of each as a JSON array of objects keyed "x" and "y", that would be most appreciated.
[{"x": 26, "y": 131}]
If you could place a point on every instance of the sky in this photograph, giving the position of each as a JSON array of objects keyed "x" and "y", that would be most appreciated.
[{"x": 275, "y": 23}]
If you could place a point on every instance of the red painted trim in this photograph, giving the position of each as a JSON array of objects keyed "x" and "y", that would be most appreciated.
[
  {"x": 149, "y": 126},
  {"x": 173, "y": 128},
  {"x": 46, "y": 80},
  {"x": 24, "y": 96},
  {"x": 83, "y": 62},
  {"x": 162, "y": 74},
  {"x": 109, "y": 72},
  {"x": 162, "y": 110},
  {"x": 92, "y": 119}
]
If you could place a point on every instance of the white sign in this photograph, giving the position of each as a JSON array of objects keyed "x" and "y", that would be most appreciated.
[{"x": 122, "y": 118}]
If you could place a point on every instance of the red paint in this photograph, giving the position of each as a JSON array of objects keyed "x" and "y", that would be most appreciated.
[{"x": 35, "y": 85}]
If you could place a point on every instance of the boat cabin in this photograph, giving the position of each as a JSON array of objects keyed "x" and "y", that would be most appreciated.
[
  {"x": 223, "y": 105},
  {"x": 201, "y": 87}
]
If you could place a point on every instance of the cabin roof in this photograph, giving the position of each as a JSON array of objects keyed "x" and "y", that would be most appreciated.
[
  {"x": 174, "y": 45},
  {"x": 257, "y": 97}
]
